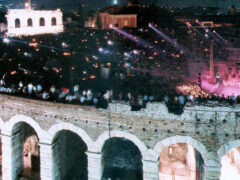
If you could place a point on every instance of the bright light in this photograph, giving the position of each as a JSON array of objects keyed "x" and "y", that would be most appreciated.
[
  {"x": 188, "y": 24},
  {"x": 64, "y": 45},
  {"x": 135, "y": 51},
  {"x": 110, "y": 42},
  {"x": 115, "y": 2},
  {"x": 126, "y": 54},
  {"x": 6, "y": 40},
  {"x": 100, "y": 49}
]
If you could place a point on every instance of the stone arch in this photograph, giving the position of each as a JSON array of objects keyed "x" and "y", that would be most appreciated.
[
  {"x": 22, "y": 118},
  {"x": 224, "y": 149},
  {"x": 105, "y": 136},
  {"x": 41, "y": 21},
  {"x": 69, "y": 146},
  {"x": 67, "y": 126},
  {"x": 53, "y": 21},
  {"x": 181, "y": 156},
  {"x": 161, "y": 145},
  {"x": 228, "y": 156},
  {"x": 17, "y": 23},
  {"x": 24, "y": 152},
  {"x": 29, "y": 22},
  {"x": 121, "y": 159}
]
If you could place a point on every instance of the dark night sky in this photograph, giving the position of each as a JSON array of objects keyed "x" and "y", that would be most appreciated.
[{"x": 101, "y": 3}]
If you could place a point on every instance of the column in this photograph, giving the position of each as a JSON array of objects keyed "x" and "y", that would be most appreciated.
[
  {"x": 212, "y": 173},
  {"x": 6, "y": 158},
  {"x": 150, "y": 170},
  {"x": 94, "y": 166},
  {"x": 46, "y": 161}
]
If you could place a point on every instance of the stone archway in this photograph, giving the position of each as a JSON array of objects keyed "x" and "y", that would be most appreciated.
[
  {"x": 229, "y": 155},
  {"x": 189, "y": 147},
  {"x": 70, "y": 127},
  {"x": 121, "y": 159},
  {"x": 69, "y": 156},
  {"x": 25, "y": 152},
  {"x": 131, "y": 137},
  {"x": 181, "y": 162}
]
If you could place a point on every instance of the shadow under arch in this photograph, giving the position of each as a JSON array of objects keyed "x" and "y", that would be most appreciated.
[
  {"x": 121, "y": 159},
  {"x": 69, "y": 158}
]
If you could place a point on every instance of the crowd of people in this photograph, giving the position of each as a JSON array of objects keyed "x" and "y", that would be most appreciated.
[
  {"x": 174, "y": 100},
  {"x": 91, "y": 66}
]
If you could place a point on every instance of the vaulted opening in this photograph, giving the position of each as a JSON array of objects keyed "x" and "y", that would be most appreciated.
[
  {"x": 25, "y": 152},
  {"x": 181, "y": 162},
  {"x": 121, "y": 159},
  {"x": 69, "y": 156}
]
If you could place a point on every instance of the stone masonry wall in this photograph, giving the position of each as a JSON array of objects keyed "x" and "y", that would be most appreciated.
[
  {"x": 211, "y": 128},
  {"x": 212, "y": 125}
]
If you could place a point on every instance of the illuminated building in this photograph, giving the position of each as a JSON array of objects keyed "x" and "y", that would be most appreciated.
[
  {"x": 119, "y": 16},
  {"x": 31, "y": 22}
]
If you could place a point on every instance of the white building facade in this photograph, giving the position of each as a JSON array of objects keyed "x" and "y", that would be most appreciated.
[{"x": 33, "y": 22}]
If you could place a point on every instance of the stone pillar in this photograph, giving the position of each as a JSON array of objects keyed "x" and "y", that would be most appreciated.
[
  {"x": 46, "y": 161},
  {"x": 150, "y": 170},
  {"x": 94, "y": 166},
  {"x": 212, "y": 173},
  {"x": 212, "y": 170},
  {"x": 6, "y": 158}
]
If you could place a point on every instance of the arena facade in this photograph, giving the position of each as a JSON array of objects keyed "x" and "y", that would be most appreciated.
[{"x": 59, "y": 133}]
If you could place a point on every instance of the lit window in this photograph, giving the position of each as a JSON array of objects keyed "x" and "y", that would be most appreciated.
[{"x": 125, "y": 23}]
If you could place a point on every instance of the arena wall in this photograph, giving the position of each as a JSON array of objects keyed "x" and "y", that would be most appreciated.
[{"x": 212, "y": 129}]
